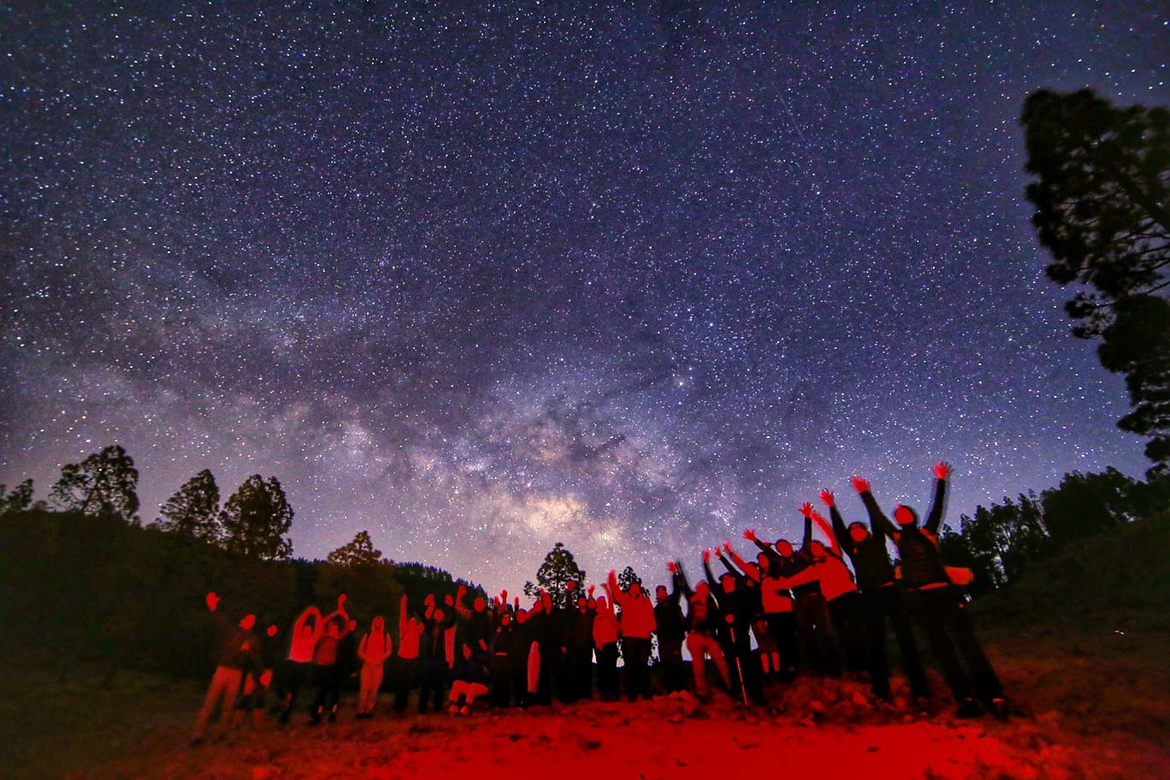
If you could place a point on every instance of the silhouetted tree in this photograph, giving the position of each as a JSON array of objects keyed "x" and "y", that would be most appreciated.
[
  {"x": 194, "y": 509},
  {"x": 359, "y": 552},
  {"x": 255, "y": 519},
  {"x": 19, "y": 500},
  {"x": 628, "y": 577},
  {"x": 558, "y": 569},
  {"x": 105, "y": 483},
  {"x": 1087, "y": 504},
  {"x": 1100, "y": 197}
]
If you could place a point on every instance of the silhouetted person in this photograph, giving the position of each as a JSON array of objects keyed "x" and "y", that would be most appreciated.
[
  {"x": 747, "y": 578},
  {"x": 881, "y": 598},
  {"x": 940, "y": 609},
  {"x": 505, "y": 659},
  {"x": 433, "y": 667},
  {"x": 406, "y": 659},
  {"x": 329, "y": 670},
  {"x": 735, "y": 602},
  {"x": 779, "y": 609},
  {"x": 240, "y": 650},
  {"x": 580, "y": 657},
  {"x": 470, "y": 681},
  {"x": 606, "y": 631},
  {"x": 668, "y": 617}
]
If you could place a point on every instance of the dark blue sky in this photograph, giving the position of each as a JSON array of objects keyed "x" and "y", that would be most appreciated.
[{"x": 479, "y": 279}]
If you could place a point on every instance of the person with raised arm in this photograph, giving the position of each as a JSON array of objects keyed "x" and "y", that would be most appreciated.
[
  {"x": 703, "y": 623},
  {"x": 940, "y": 609},
  {"x": 751, "y": 575},
  {"x": 637, "y": 621},
  {"x": 375, "y": 648},
  {"x": 881, "y": 598},
  {"x": 738, "y": 606},
  {"x": 812, "y": 613},
  {"x": 580, "y": 656},
  {"x": 239, "y": 651},
  {"x": 779, "y": 616},
  {"x": 406, "y": 658},
  {"x": 606, "y": 630},
  {"x": 298, "y": 671},
  {"x": 840, "y": 592},
  {"x": 433, "y": 667},
  {"x": 505, "y": 658},
  {"x": 668, "y": 618},
  {"x": 475, "y": 627},
  {"x": 330, "y": 667}
]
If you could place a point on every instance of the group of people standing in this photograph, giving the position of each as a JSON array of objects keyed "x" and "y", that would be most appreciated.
[{"x": 808, "y": 610}]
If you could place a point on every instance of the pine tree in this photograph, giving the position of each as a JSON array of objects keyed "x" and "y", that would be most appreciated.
[
  {"x": 19, "y": 500},
  {"x": 359, "y": 552},
  {"x": 105, "y": 483},
  {"x": 194, "y": 509},
  {"x": 558, "y": 569},
  {"x": 255, "y": 519}
]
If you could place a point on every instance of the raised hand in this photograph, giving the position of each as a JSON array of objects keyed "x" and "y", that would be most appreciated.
[
  {"x": 212, "y": 601},
  {"x": 670, "y": 567},
  {"x": 430, "y": 599},
  {"x": 706, "y": 556},
  {"x": 750, "y": 535},
  {"x": 462, "y": 591},
  {"x": 341, "y": 600},
  {"x": 827, "y": 498},
  {"x": 942, "y": 469},
  {"x": 806, "y": 509},
  {"x": 718, "y": 552},
  {"x": 591, "y": 589},
  {"x": 571, "y": 585},
  {"x": 861, "y": 485},
  {"x": 727, "y": 545}
]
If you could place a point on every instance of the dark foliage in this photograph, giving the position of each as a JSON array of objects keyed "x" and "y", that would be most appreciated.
[
  {"x": 194, "y": 509},
  {"x": 256, "y": 518},
  {"x": 105, "y": 483},
  {"x": 1102, "y": 175},
  {"x": 558, "y": 569}
]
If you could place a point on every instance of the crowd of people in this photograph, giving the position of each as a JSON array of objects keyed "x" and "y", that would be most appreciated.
[{"x": 821, "y": 608}]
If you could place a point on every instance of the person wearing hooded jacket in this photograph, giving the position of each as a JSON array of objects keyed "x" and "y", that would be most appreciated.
[
  {"x": 668, "y": 618},
  {"x": 637, "y": 622},
  {"x": 881, "y": 598},
  {"x": 738, "y": 599},
  {"x": 940, "y": 609}
]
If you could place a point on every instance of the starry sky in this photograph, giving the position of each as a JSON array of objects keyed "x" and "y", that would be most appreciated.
[{"x": 484, "y": 276}]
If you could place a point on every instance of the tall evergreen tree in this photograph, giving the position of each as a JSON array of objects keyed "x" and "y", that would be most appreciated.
[
  {"x": 359, "y": 552},
  {"x": 1102, "y": 174},
  {"x": 558, "y": 568},
  {"x": 18, "y": 500},
  {"x": 105, "y": 483},
  {"x": 194, "y": 509},
  {"x": 255, "y": 519},
  {"x": 628, "y": 577}
]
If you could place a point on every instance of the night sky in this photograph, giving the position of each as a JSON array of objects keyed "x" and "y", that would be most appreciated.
[{"x": 479, "y": 277}]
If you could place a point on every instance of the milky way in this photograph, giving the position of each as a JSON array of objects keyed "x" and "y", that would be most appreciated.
[{"x": 632, "y": 275}]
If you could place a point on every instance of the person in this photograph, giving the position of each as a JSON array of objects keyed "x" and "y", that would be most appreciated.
[
  {"x": 668, "y": 618},
  {"x": 812, "y": 613},
  {"x": 580, "y": 656},
  {"x": 433, "y": 668},
  {"x": 748, "y": 578},
  {"x": 470, "y": 681},
  {"x": 702, "y": 623},
  {"x": 940, "y": 610},
  {"x": 505, "y": 649},
  {"x": 474, "y": 627},
  {"x": 881, "y": 599},
  {"x": 406, "y": 661},
  {"x": 779, "y": 616},
  {"x": 606, "y": 630},
  {"x": 373, "y": 650},
  {"x": 257, "y": 681},
  {"x": 531, "y": 631},
  {"x": 736, "y": 604},
  {"x": 329, "y": 670},
  {"x": 637, "y": 623},
  {"x": 299, "y": 669},
  {"x": 240, "y": 650}
]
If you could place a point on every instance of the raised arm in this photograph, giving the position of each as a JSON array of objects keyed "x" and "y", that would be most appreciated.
[
  {"x": 942, "y": 470},
  {"x": 827, "y": 530},
  {"x": 740, "y": 578},
  {"x": 806, "y": 510},
  {"x": 460, "y": 609},
  {"x": 840, "y": 532},
  {"x": 707, "y": 570},
  {"x": 773, "y": 557},
  {"x": 615, "y": 593},
  {"x": 212, "y": 601},
  {"x": 682, "y": 579},
  {"x": 751, "y": 571},
  {"x": 878, "y": 522},
  {"x": 401, "y": 618}
]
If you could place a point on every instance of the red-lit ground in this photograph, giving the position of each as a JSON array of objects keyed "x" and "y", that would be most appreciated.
[{"x": 659, "y": 739}]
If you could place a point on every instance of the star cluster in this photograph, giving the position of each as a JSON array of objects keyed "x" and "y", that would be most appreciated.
[{"x": 480, "y": 277}]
